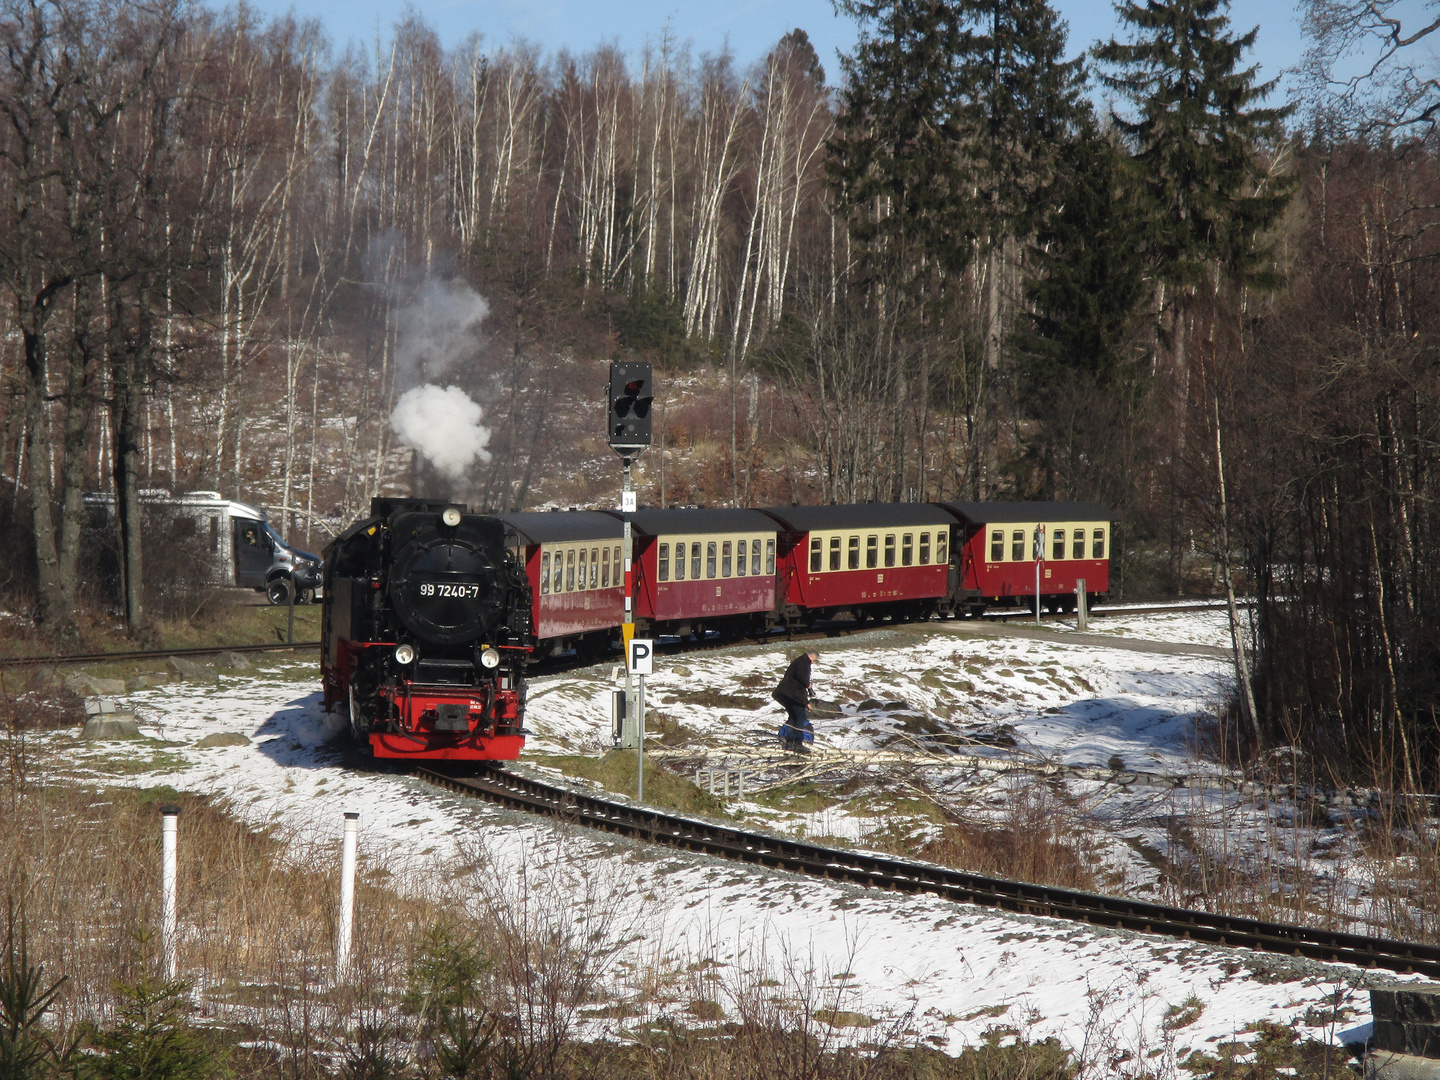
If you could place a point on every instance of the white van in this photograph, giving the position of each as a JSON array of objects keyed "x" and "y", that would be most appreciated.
[{"x": 245, "y": 551}]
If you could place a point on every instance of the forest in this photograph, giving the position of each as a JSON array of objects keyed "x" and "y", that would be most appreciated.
[{"x": 976, "y": 261}]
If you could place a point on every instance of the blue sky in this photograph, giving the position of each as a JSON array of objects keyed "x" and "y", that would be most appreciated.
[{"x": 750, "y": 27}]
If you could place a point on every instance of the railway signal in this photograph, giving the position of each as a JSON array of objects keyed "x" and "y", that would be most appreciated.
[
  {"x": 631, "y": 395},
  {"x": 628, "y": 431}
]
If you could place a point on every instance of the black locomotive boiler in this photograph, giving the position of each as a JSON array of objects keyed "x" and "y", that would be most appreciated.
[{"x": 426, "y": 630}]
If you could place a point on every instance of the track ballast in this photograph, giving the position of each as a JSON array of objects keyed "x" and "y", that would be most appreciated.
[{"x": 899, "y": 875}]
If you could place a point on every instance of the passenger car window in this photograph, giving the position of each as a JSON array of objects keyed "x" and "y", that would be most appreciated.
[
  {"x": 852, "y": 562},
  {"x": 545, "y": 572},
  {"x": 664, "y": 563},
  {"x": 570, "y": 570},
  {"x": 907, "y": 549},
  {"x": 997, "y": 546},
  {"x": 740, "y": 567},
  {"x": 815, "y": 555},
  {"x": 1098, "y": 550},
  {"x": 770, "y": 557},
  {"x": 618, "y": 566},
  {"x": 1017, "y": 545},
  {"x": 594, "y": 568},
  {"x": 872, "y": 552},
  {"x": 605, "y": 573},
  {"x": 1079, "y": 546},
  {"x": 559, "y": 570},
  {"x": 755, "y": 557},
  {"x": 679, "y": 562},
  {"x": 710, "y": 559},
  {"x": 942, "y": 546},
  {"x": 889, "y": 549},
  {"x": 1059, "y": 544},
  {"x": 725, "y": 557},
  {"x": 695, "y": 561},
  {"x": 834, "y": 553},
  {"x": 924, "y": 549},
  {"x": 582, "y": 568}
]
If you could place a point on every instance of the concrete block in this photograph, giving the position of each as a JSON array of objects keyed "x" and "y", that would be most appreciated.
[
  {"x": 146, "y": 679},
  {"x": 83, "y": 683},
  {"x": 111, "y": 727},
  {"x": 233, "y": 661},
  {"x": 1403, "y": 1037},
  {"x": 223, "y": 738},
  {"x": 1407, "y": 1003},
  {"x": 191, "y": 670},
  {"x": 1387, "y": 1065}
]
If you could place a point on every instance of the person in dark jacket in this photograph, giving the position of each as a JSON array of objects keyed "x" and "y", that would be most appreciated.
[{"x": 794, "y": 694}]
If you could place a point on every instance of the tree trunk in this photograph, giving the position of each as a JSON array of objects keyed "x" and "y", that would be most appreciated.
[
  {"x": 128, "y": 365},
  {"x": 51, "y": 608},
  {"x": 1242, "y": 666}
]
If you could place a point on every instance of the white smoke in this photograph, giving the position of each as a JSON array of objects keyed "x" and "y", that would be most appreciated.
[
  {"x": 444, "y": 425},
  {"x": 439, "y": 330}
]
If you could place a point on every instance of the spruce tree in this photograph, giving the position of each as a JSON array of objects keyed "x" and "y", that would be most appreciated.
[
  {"x": 1087, "y": 282},
  {"x": 1072, "y": 352},
  {"x": 1196, "y": 137},
  {"x": 1025, "y": 100},
  {"x": 896, "y": 169}
]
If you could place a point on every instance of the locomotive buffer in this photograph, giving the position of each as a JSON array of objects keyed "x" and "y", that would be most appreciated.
[{"x": 628, "y": 431}]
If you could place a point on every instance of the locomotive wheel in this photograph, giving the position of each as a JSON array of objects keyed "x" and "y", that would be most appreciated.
[{"x": 277, "y": 591}]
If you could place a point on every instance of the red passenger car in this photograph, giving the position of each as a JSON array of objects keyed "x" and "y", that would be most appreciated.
[
  {"x": 699, "y": 569},
  {"x": 573, "y": 561},
  {"x": 997, "y": 558},
  {"x": 871, "y": 559}
]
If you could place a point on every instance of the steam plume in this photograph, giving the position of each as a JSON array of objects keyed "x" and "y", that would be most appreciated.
[
  {"x": 443, "y": 425},
  {"x": 439, "y": 330}
]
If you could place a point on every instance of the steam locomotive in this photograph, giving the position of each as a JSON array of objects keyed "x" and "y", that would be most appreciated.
[{"x": 425, "y": 632}]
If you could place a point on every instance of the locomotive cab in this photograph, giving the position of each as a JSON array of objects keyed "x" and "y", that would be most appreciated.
[{"x": 426, "y": 630}]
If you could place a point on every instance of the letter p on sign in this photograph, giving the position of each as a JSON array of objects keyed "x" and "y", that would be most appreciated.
[{"x": 640, "y": 658}]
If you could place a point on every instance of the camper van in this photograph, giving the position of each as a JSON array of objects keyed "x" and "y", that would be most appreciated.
[{"x": 245, "y": 551}]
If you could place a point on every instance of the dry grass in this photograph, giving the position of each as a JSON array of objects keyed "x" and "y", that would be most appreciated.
[
  {"x": 1037, "y": 836},
  {"x": 220, "y": 618}
]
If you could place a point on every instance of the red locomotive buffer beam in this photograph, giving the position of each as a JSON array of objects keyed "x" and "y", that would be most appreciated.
[{"x": 437, "y": 723}]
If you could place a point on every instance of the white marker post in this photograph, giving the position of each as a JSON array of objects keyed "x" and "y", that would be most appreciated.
[
  {"x": 1039, "y": 560},
  {"x": 1082, "y": 615},
  {"x": 169, "y": 831},
  {"x": 639, "y": 661},
  {"x": 347, "y": 896}
]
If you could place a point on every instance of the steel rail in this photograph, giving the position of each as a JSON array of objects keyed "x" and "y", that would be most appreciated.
[{"x": 899, "y": 875}]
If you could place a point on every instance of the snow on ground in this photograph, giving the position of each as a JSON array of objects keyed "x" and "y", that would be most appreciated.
[
  {"x": 955, "y": 970},
  {"x": 1187, "y": 627}
]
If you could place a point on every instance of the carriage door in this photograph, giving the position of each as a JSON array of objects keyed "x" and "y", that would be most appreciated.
[{"x": 252, "y": 553}]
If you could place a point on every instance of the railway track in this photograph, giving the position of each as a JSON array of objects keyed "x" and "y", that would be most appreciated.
[
  {"x": 898, "y": 875},
  {"x": 821, "y": 630}
]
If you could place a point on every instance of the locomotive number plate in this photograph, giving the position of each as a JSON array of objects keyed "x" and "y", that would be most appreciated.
[{"x": 463, "y": 590}]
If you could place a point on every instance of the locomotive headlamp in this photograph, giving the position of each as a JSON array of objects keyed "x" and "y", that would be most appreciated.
[
  {"x": 489, "y": 658},
  {"x": 404, "y": 654},
  {"x": 451, "y": 516}
]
